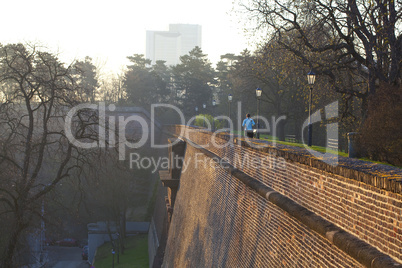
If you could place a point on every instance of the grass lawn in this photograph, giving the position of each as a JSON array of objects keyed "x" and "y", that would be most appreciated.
[
  {"x": 135, "y": 255},
  {"x": 315, "y": 148}
]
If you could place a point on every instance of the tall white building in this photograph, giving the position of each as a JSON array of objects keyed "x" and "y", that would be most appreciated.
[{"x": 170, "y": 45}]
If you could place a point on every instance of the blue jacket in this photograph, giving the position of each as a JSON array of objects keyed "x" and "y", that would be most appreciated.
[{"x": 249, "y": 123}]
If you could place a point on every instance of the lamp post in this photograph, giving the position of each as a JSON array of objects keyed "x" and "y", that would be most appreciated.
[
  {"x": 310, "y": 80},
  {"x": 213, "y": 115},
  {"x": 230, "y": 98},
  {"x": 258, "y": 93},
  {"x": 118, "y": 247},
  {"x": 113, "y": 252},
  {"x": 204, "y": 106}
]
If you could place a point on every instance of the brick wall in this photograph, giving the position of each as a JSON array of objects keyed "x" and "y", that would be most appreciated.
[{"x": 361, "y": 198}]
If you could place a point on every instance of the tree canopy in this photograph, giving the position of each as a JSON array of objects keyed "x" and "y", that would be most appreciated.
[{"x": 362, "y": 37}]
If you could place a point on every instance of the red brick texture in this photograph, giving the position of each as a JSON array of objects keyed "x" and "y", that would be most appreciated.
[{"x": 220, "y": 221}]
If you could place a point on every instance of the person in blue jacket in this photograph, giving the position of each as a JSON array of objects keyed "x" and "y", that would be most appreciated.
[{"x": 248, "y": 124}]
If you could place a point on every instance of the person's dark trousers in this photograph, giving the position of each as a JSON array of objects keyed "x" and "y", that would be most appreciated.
[{"x": 250, "y": 133}]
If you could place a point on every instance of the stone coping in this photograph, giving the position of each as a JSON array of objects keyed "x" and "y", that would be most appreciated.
[{"x": 378, "y": 175}]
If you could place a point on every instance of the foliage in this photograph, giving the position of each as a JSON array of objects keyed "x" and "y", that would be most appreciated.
[
  {"x": 279, "y": 75},
  {"x": 224, "y": 75},
  {"x": 85, "y": 78},
  {"x": 145, "y": 85},
  {"x": 193, "y": 80},
  {"x": 207, "y": 120}
]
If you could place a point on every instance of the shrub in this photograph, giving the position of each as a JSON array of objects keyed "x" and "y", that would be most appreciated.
[
  {"x": 199, "y": 121},
  {"x": 381, "y": 133}
]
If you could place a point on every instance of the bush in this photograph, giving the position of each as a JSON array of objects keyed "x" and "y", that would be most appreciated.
[
  {"x": 381, "y": 133},
  {"x": 199, "y": 121}
]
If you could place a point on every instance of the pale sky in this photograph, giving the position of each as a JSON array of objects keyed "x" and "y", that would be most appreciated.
[{"x": 110, "y": 31}]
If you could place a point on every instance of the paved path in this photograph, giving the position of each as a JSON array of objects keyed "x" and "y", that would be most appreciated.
[{"x": 65, "y": 257}]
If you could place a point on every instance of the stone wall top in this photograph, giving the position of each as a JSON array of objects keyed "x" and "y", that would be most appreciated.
[{"x": 378, "y": 175}]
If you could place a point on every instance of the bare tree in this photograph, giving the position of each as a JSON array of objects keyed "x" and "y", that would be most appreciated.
[
  {"x": 111, "y": 88},
  {"x": 35, "y": 154},
  {"x": 362, "y": 36}
]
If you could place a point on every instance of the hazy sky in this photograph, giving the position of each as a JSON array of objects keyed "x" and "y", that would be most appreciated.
[{"x": 110, "y": 31}]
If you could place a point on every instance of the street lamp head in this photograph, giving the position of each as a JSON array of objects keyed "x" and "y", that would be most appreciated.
[
  {"x": 230, "y": 97},
  {"x": 204, "y": 105},
  {"x": 258, "y": 92},
  {"x": 213, "y": 102},
  {"x": 311, "y": 78}
]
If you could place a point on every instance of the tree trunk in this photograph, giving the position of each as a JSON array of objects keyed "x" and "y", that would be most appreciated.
[
  {"x": 364, "y": 108},
  {"x": 18, "y": 227},
  {"x": 123, "y": 231}
]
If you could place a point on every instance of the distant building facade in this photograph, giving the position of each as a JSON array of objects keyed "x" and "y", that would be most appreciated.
[{"x": 170, "y": 45}]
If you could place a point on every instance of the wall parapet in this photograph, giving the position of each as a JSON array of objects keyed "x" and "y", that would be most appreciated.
[
  {"x": 378, "y": 175},
  {"x": 356, "y": 205}
]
